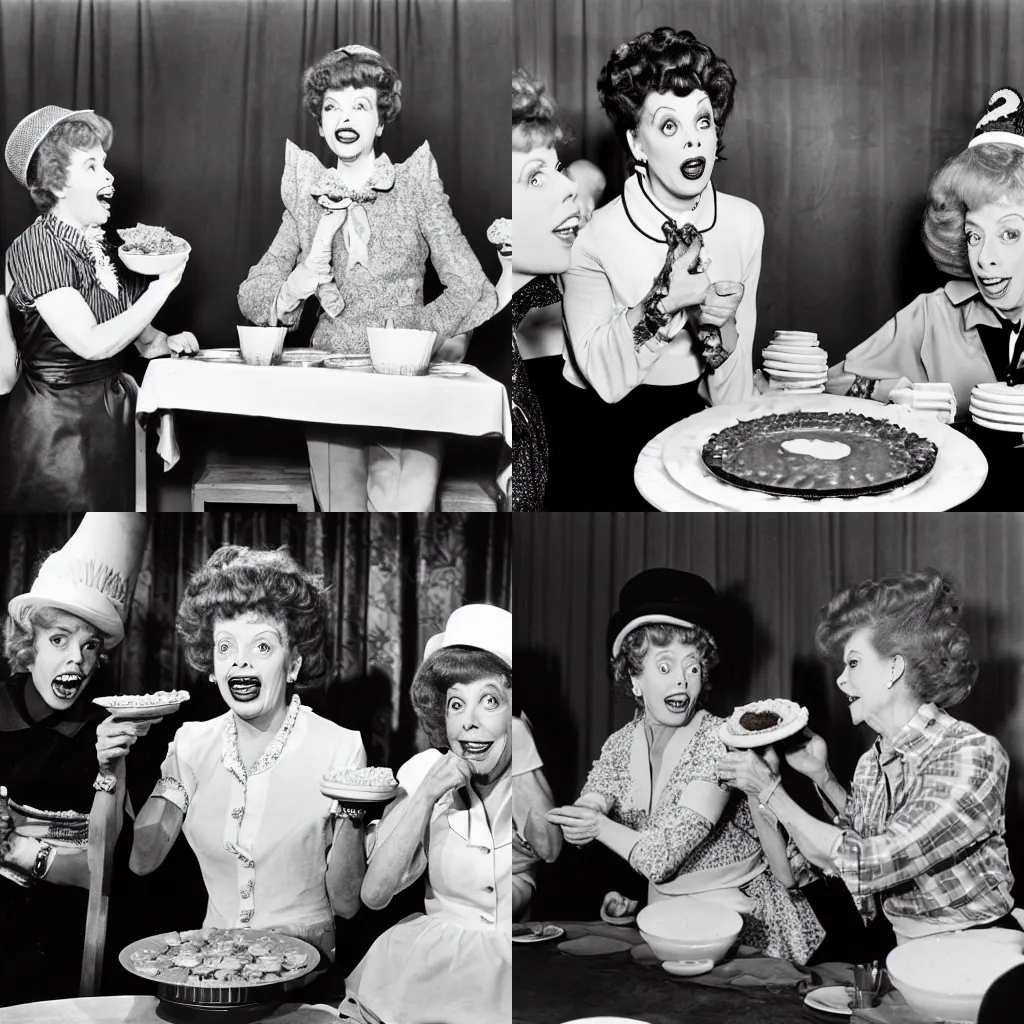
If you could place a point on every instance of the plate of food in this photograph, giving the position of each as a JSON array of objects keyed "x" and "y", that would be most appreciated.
[
  {"x": 140, "y": 706},
  {"x": 226, "y": 966},
  {"x": 303, "y": 357},
  {"x": 831, "y": 999},
  {"x": 67, "y": 829},
  {"x": 536, "y": 931},
  {"x": 151, "y": 250},
  {"x": 762, "y": 722},
  {"x": 360, "y": 785}
]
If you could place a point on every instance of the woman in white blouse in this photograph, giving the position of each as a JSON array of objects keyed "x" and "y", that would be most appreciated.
[
  {"x": 453, "y": 821},
  {"x": 636, "y": 298},
  {"x": 244, "y": 787}
]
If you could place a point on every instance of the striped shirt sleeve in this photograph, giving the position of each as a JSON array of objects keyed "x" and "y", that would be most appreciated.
[{"x": 41, "y": 265}]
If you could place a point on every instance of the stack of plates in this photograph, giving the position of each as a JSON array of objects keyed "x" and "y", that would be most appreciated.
[
  {"x": 998, "y": 407},
  {"x": 794, "y": 362}
]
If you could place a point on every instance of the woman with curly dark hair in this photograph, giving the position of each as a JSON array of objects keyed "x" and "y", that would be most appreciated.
[
  {"x": 545, "y": 218},
  {"x": 244, "y": 787},
  {"x": 653, "y": 796},
  {"x": 453, "y": 821},
  {"x": 357, "y": 236},
  {"x": 919, "y": 834},
  {"x": 650, "y": 333}
]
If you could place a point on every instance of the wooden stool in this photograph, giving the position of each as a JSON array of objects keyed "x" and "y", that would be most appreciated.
[{"x": 226, "y": 479}]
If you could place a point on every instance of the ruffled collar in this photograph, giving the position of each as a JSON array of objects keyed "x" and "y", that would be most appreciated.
[
  {"x": 232, "y": 759},
  {"x": 91, "y": 243},
  {"x": 303, "y": 170}
]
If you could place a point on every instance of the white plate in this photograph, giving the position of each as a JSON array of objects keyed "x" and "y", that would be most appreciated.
[
  {"x": 1006, "y": 408},
  {"x": 139, "y": 712},
  {"x": 359, "y": 794},
  {"x": 219, "y": 355},
  {"x": 1002, "y": 392},
  {"x": 796, "y": 348},
  {"x": 688, "y": 968},
  {"x": 830, "y": 999},
  {"x": 44, "y": 830},
  {"x": 801, "y": 358},
  {"x": 1009, "y": 428},
  {"x": 545, "y": 934},
  {"x": 787, "y": 727},
  {"x": 302, "y": 357},
  {"x": 1000, "y": 415}
]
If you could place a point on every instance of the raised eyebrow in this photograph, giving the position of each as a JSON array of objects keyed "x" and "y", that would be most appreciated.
[{"x": 533, "y": 165}]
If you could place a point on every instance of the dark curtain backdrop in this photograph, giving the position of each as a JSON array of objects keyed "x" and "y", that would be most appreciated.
[
  {"x": 203, "y": 94},
  {"x": 844, "y": 110},
  {"x": 774, "y": 572}
]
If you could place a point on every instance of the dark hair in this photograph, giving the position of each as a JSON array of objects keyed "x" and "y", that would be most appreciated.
[
  {"x": 980, "y": 175},
  {"x": 237, "y": 581},
  {"x": 914, "y": 614},
  {"x": 20, "y": 634},
  {"x": 48, "y": 168},
  {"x": 535, "y": 120},
  {"x": 629, "y": 662},
  {"x": 339, "y": 70},
  {"x": 444, "y": 669},
  {"x": 663, "y": 61}
]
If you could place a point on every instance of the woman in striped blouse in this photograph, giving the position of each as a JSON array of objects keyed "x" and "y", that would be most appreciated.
[{"x": 68, "y": 437}]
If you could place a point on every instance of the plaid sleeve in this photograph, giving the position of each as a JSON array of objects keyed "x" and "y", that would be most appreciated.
[{"x": 956, "y": 799}]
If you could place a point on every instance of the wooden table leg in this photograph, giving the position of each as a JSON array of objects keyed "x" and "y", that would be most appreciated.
[{"x": 140, "y": 466}]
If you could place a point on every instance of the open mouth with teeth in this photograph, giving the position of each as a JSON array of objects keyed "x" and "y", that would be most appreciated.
[
  {"x": 244, "y": 688},
  {"x": 568, "y": 229},
  {"x": 67, "y": 684},
  {"x": 678, "y": 703},
  {"x": 104, "y": 196},
  {"x": 475, "y": 750},
  {"x": 691, "y": 170},
  {"x": 995, "y": 287},
  {"x": 346, "y": 135}
]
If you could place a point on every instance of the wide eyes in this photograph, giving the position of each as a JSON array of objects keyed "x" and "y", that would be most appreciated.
[
  {"x": 1008, "y": 235},
  {"x": 58, "y": 641}
]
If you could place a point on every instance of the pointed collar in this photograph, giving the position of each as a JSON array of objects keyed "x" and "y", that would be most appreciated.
[
  {"x": 467, "y": 817},
  {"x": 917, "y": 737},
  {"x": 973, "y": 308},
  {"x": 14, "y": 715},
  {"x": 231, "y": 758}
]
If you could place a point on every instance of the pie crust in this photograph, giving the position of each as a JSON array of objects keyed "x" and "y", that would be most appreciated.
[{"x": 791, "y": 718}]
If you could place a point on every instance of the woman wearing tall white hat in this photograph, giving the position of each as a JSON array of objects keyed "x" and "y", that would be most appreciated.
[
  {"x": 69, "y": 435},
  {"x": 451, "y": 821},
  {"x": 56, "y": 640}
]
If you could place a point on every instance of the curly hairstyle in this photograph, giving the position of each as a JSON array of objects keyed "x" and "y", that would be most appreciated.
[
  {"x": 444, "y": 669},
  {"x": 629, "y": 662},
  {"x": 20, "y": 631},
  {"x": 663, "y": 61},
  {"x": 989, "y": 173},
  {"x": 914, "y": 614},
  {"x": 237, "y": 581},
  {"x": 535, "y": 120},
  {"x": 48, "y": 168},
  {"x": 339, "y": 70}
]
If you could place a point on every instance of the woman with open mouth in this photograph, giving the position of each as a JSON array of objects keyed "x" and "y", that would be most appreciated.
[
  {"x": 69, "y": 434},
  {"x": 362, "y": 253},
  {"x": 917, "y": 837},
  {"x": 653, "y": 796},
  {"x": 245, "y": 787},
  {"x": 452, "y": 821},
  {"x": 659, "y": 325}
]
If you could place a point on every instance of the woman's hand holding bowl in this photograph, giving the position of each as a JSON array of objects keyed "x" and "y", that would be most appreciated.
[
  {"x": 807, "y": 752},
  {"x": 168, "y": 281},
  {"x": 579, "y": 825},
  {"x": 746, "y": 771},
  {"x": 115, "y": 737}
]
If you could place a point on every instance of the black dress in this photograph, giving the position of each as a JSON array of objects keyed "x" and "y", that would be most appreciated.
[{"x": 68, "y": 439}]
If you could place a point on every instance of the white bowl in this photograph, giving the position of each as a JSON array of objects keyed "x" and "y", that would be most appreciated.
[
  {"x": 151, "y": 265},
  {"x": 405, "y": 352},
  {"x": 689, "y": 929},
  {"x": 262, "y": 346},
  {"x": 945, "y": 977}
]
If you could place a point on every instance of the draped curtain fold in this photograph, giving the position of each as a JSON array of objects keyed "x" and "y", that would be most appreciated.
[{"x": 773, "y": 572}]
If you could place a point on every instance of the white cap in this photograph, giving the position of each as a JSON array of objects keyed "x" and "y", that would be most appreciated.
[{"x": 476, "y": 625}]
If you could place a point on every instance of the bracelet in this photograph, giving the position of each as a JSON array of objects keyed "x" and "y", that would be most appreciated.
[
  {"x": 105, "y": 783},
  {"x": 767, "y": 793},
  {"x": 44, "y": 858},
  {"x": 354, "y": 814}
]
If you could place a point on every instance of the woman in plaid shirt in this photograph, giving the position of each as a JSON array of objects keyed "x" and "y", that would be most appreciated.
[{"x": 920, "y": 832}]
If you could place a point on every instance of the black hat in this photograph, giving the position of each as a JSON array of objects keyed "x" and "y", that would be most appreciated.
[
  {"x": 1003, "y": 120},
  {"x": 663, "y": 595}
]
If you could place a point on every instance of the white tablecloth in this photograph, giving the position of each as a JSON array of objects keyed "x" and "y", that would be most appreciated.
[{"x": 473, "y": 405}]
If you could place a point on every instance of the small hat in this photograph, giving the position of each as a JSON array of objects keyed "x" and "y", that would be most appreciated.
[
  {"x": 476, "y": 625},
  {"x": 29, "y": 133},
  {"x": 662, "y": 595},
  {"x": 94, "y": 574},
  {"x": 354, "y": 49},
  {"x": 1003, "y": 120}
]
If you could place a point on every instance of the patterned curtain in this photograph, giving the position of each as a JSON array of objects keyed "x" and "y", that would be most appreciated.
[{"x": 394, "y": 579}]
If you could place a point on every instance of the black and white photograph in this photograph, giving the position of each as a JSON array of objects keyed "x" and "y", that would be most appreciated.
[
  {"x": 251, "y": 249},
  {"x": 768, "y": 255},
  {"x": 775, "y": 768},
  {"x": 255, "y": 766}
]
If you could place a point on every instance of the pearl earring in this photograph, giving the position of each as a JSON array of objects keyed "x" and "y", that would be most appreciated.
[{"x": 213, "y": 678}]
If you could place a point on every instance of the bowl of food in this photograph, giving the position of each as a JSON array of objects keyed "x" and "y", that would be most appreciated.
[
  {"x": 689, "y": 929},
  {"x": 500, "y": 234},
  {"x": 402, "y": 352},
  {"x": 945, "y": 977},
  {"x": 151, "y": 250},
  {"x": 262, "y": 346},
  {"x": 360, "y": 785}
]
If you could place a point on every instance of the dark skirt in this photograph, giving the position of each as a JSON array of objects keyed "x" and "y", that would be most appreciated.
[{"x": 1005, "y": 455}]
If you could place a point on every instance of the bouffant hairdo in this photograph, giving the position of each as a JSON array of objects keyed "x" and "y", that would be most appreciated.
[
  {"x": 629, "y": 662},
  {"x": 359, "y": 70},
  {"x": 48, "y": 168},
  {"x": 916, "y": 615},
  {"x": 663, "y": 61},
  {"x": 535, "y": 120},
  {"x": 20, "y": 634},
  {"x": 238, "y": 581},
  {"x": 449, "y": 667},
  {"x": 989, "y": 173}
]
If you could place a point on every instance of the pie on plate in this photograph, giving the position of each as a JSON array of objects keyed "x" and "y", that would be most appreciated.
[
  {"x": 762, "y": 722},
  {"x": 360, "y": 785},
  {"x": 143, "y": 705}
]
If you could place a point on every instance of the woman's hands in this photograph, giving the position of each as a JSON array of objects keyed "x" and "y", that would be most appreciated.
[
  {"x": 579, "y": 825},
  {"x": 686, "y": 289},
  {"x": 720, "y": 303},
  {"x": 807, "y": 752},
  {"x": 318, "y": 260},
  {"x": 166, "y": 283},
  {"x": 745, "y": 771},
  {"x": 115, "y": 737},
  {"x": 183, "y": 344},
  {"x": 447, "y": 773}
]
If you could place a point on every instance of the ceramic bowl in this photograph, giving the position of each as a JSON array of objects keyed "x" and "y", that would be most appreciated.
[
  {"x": 404, "y": 352},
  {"x": 689, "y": 929},
  {"x": 262, "y": 346},
  {"x": 153, "y": 265}
]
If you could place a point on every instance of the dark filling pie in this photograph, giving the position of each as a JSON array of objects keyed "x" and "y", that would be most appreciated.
[
  {"x": 882, "y": 457},
  {"x": 755, "y": 721}
]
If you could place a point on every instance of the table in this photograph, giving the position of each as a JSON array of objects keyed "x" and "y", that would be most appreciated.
[
  {"x": 959, "y": 471},
  {"x": 472, "y": 405}
]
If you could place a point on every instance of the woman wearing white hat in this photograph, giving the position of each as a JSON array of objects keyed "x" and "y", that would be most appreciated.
[
  {"x": 56, "y": 638},
  {"x": 453, "y": 821},
  {"x": 69, "y": 434}
]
